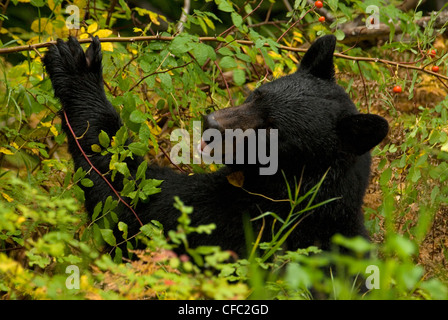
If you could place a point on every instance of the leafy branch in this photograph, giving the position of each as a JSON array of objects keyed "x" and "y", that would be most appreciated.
[{"x": 403, "y": 65}]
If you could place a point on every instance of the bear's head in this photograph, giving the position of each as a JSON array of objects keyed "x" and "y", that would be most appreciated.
[{"x": 315, "y": 119}]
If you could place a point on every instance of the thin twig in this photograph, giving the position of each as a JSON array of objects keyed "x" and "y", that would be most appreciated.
[
  {"x": 171, "y": 161},
  {"x": 293, "y": 25},
  {"x": 225, "y": 82},
  {"x": 97, "y": 171},
  {"x": 364, "y": 85}
]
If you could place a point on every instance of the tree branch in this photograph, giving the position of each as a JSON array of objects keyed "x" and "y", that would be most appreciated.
[
  {"x": 183, "y": 16},
  {"x": 360, "y": 33},
  {"x": 404, "y": 65}
]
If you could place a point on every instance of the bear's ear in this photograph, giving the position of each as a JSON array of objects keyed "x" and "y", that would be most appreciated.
[
  {"x": 318, "y": 60},
  {"x": 361, "y": 132}
]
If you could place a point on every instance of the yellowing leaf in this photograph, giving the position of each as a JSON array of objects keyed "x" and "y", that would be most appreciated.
[
  {"x": 92, "y": 28},
  {"x": 298, "y": 36},
  {"x": 209, "y": 23},
  {"x": 96, "y": 148},
  {"x": 14, "y": 145},
  {"x": 42, "y": 24},
  {"x": 51, "y": 4},
  {"x": 236, "y": 179},
  {"x": 275, "y": 55},
  {"x": 138, "y": 30},
  {"x": 444, "y": 147},
  {"x": 61, "y": 32},
  {"x": 155, "y": 130},
  {"x": 103, "y": 33},
  {"x": 83, "y": 36},
  {"x": 7, "y": 197},
  {"x": 54, "y": 131},
  {"x": 34, "y": 40},
  {"x": 286, "y": 42},
  {"x": 53, "y": 7},
  {"x": 278, "y": 72},
  {"x": 51, "y": 126},
  {"x": 107, "y": 46},
  {"x": 291, "y": 56},
  {"x": 3, "y": 30},
  {"x": 6, "y": 151},
  {"x": 80, "y": 3},
  {"x": 153, "y": 16}
]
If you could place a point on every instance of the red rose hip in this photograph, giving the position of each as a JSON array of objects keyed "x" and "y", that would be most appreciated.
[
  {"x": 318, "y": 4},
  {"x": 397, "y": 89}
]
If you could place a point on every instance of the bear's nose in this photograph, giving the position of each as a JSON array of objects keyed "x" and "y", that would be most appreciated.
[{"x": 209, "y": 122}]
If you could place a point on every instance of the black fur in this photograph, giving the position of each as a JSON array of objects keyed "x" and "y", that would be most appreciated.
[{"x": 319, "y": 128}]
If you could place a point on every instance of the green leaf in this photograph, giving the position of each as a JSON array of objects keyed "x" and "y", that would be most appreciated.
[
  {"x": 339, "y": 34},
  {"x": 181, "y": 44},
  {"x": 125, "y": 8},
  {"x": 97, "y": 210},
  {"x": 123, "y": 227},
  {"x": 151, "y": 230},
  {"x": 108, "y": 236},
  {"x": 150, "y": 186},
  {"x": 239, "y": 76},
  {"x": 110, "y": 204},
  {"x": 137, "y": 116},
  {"x": 118, "y": 255},
  {"x": 141, "y": 171},
  {"x": 37, "y": 3},
  {"x": 385, "y": 176},
  {"x": 87, "y": 182},
  {"x": 79, "y": 174},
  {"x": 202, "y": 52},
  {"x": 104, "y": 139},
  {"x": 225, "y": 51},
  {"x": 138, "y": 148},
  {"x": 225, "y": 6},
  {"x": 122, "y": 167},
  {"x": 167, "y": 82},
  {"x": 228, "y": 62},
  {"x": 357, "y": 244},
  {"x": 237, "y": 19},
  {"x": 121, "y": 136}
]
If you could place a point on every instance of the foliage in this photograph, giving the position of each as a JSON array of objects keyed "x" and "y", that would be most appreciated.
[{"x": 166, "y": 83}]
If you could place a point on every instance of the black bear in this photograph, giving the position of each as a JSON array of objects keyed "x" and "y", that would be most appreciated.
[{"x": 319, "y": 131}]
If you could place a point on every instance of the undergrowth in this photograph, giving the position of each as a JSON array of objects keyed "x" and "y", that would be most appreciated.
[{"x": 50, "y": 249}]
